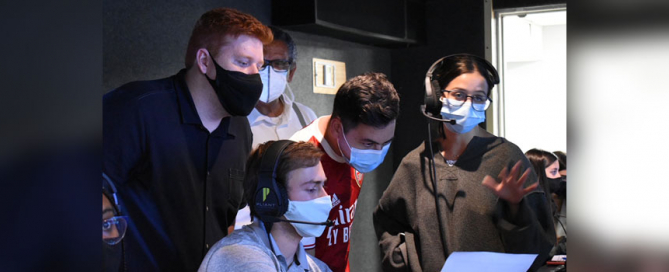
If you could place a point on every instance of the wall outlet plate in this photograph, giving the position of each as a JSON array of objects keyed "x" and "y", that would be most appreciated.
[{"x": 328, "y": 75}]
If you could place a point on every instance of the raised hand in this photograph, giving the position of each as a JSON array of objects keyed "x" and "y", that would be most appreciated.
[{"x": 508, "y": 186}]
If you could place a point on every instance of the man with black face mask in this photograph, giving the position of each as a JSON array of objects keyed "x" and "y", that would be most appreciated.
[
  {"x": 113, "y": 228},
  {"x": 177, "y": 146}
]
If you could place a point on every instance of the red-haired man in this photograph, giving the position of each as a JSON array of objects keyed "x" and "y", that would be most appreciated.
[{"x": 177, "y": 146}]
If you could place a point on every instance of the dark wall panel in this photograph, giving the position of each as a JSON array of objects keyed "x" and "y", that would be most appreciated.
[
  {"x": 383, "y": 23},
  {"x": 380, "y": 16},
  {"x": 147, "y": 39}
]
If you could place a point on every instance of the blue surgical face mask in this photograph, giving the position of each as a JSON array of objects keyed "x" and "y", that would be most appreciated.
[
  {"x": 466, "y": 118},
  {"x": 364, "y": 160}
]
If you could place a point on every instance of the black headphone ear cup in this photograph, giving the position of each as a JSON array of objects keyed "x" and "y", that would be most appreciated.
[
  {"x": 272, "y": 203},
  {"x": 271, "y": 198},
  {"x": 266, "y": 201},
  {"x": 433, "y": 91},
  {"x": 432, "y": 102}
]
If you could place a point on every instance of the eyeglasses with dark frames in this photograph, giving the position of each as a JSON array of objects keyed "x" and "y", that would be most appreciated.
[
  {"x": 457, "y": 98},
  {"x": 278, "y": 65}
]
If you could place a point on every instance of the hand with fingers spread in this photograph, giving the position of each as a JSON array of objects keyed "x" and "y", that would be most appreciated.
[{"x": 510, "y": 187}]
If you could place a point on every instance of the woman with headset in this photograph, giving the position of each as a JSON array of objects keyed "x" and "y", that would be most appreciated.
[{"x": 486, "y": 196}]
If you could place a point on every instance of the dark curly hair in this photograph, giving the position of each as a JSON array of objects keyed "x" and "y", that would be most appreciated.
[{"x": 369, "y": 99}]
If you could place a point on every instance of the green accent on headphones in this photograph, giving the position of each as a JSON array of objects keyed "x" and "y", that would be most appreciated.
[{"x": 265, "y": 192}]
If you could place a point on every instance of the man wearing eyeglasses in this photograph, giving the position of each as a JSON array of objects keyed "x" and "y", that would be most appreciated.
[{"x": 277, "y": 116}]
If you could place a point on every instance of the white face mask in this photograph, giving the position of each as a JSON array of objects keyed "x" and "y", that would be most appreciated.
[
  {"x": 273, "y": 84},
  {"x": 315, "y": 210},
  {"x": 364, "y": 160},
  {"x": 466, "y": 118}
]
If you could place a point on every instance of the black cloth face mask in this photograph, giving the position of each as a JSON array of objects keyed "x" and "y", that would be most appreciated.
[
  {"x": 554, "y": 184},
  {"x": 112, "y": 257},
  {"x": 237, "y": 92},
  {"x": 561, "y": 192}
]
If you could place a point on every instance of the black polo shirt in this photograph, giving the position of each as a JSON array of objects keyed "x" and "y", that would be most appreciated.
[{"x": 180, "y": 185}]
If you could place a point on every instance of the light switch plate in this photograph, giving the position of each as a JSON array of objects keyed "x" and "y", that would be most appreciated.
[{"x": 328, "y": 75}]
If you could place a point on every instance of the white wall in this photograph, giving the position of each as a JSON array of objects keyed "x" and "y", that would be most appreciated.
[{"x": 536, "y": 91}]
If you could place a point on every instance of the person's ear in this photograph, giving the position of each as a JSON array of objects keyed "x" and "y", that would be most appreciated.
[
  {"x": 202, "y": 60},
  {"x": 291, "y": 73},
  {"x": 336, "y": 125}
]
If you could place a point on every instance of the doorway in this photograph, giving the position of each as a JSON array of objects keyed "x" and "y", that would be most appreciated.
[{"x": 531, "y": 56}]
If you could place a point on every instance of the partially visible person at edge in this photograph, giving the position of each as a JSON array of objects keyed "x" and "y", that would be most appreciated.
[
  {"x": 488, "y": 195},
  {"x": 560, "y": 195},
  {"x": 177, "y": 146},
  {"x": 355, "y": 139},
  {"x": 114, "y": 226},
  {"x": 275, "y": 246},
  {"x": 547, "y": 167},
  {"x": 277, "y": 116}
]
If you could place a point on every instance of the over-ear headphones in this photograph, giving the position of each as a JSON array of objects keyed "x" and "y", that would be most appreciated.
[
  {"x": 432, "y": 106},
  {"x": 271, "y": 198}
]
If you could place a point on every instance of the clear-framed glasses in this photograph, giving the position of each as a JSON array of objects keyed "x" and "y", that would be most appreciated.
[
  {"x": 113, "y": 229},
  {"x": 278, "y": 65},
  {"x": 457, "y": 98}
]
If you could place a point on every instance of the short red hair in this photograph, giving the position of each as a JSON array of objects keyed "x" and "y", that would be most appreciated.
[{"x": 213, "y": 27}]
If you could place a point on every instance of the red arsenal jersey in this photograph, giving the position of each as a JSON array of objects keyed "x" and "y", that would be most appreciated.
[{"x": 343, "y": 185}]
